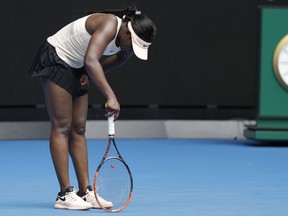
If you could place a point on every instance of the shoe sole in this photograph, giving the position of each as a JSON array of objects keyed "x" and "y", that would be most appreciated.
[
  {"x": 98, "y": 207},
  {"x": 59, "y": 206}
]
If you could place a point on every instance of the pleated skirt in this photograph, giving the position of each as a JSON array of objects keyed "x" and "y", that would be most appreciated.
[{"x": 47, "y": 63}]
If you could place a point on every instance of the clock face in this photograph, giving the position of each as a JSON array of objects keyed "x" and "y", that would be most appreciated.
[{"x": 280, "y": 62}]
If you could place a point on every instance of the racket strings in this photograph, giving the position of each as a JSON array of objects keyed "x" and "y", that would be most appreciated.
[{"x": 113, "y": 183}]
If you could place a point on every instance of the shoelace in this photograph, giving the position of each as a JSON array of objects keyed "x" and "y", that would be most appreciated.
[{"x": 72, "y": 196}]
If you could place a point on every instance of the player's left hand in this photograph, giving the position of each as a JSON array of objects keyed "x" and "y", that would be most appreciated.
[{"x": 84, "y": 81}]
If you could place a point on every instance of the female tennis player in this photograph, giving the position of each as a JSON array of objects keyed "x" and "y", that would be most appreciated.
[{"x": 65, "y": 64}]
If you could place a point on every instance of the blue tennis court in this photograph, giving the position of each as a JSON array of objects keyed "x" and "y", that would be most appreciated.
[{"x": 171, "y": 177}]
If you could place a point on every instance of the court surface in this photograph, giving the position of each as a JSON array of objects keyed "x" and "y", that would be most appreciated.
[{"x": 172, "y": 178}]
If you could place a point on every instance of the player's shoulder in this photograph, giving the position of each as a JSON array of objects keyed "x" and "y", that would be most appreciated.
[{"x": 101, "y": 20}]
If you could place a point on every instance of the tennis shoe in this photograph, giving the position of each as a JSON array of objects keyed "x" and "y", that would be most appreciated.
[
  {"x": 89, "y": 196},
  {"x": 70, "y": 200}
]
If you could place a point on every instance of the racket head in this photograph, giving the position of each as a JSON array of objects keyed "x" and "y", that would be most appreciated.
[{"x": 113, "y": 182}]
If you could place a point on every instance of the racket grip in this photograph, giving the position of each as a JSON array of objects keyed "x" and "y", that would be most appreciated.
[{"x": 111, "y": 126}]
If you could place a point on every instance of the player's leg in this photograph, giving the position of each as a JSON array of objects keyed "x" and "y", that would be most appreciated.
[
  {"x": 77, "y": 141},
  {"x": 59, "y": 107},
  {"x": 79, "y": 153}
]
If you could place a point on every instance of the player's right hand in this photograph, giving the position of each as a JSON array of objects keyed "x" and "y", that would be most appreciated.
[{"x": 112, "y": 107}]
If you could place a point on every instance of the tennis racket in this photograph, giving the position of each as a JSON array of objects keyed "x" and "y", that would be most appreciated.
[{"x": 113, "y": 183}]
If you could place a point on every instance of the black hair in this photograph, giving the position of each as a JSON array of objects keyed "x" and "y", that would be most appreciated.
[{"x": 141, "y": 24}]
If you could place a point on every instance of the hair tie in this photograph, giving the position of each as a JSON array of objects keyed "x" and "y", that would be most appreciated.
[{"x": 137, "y": 12}]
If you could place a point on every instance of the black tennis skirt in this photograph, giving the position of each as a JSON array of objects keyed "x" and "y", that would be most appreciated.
[{"x": 48, "y": 63}]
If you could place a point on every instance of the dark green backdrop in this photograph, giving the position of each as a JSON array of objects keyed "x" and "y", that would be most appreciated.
[{"x": 203, "y": 64}]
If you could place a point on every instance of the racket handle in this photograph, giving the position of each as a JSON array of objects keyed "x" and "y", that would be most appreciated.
[{"x": 111, "y": 126}]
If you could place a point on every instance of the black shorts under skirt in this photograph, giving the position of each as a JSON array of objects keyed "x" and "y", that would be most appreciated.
[{"x": 48, "y": 63}]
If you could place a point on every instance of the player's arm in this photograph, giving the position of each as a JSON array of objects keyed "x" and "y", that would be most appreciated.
[
  {"x": 116, "y": 60},
  {"x": 99, "y": 40}
]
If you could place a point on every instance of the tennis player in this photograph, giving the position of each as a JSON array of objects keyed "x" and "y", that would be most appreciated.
[{"x": 65, "y": 64}]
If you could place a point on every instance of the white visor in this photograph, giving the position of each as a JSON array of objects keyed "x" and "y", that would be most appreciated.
[{"x": 140, "y": 47}]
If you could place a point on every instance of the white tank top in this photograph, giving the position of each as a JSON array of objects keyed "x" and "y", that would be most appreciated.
[{"x": 71, "y": 42}]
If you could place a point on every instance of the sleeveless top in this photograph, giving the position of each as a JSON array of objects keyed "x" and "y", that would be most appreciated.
[{"x": 72, "y": 40}]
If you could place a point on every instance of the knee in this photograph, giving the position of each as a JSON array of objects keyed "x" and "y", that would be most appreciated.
[
  {"x": 79, "y": 128},
  {"x": 62, "y": 127}
]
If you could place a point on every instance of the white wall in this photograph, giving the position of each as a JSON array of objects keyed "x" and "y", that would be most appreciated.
[{"x": 182, "y": 129}]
